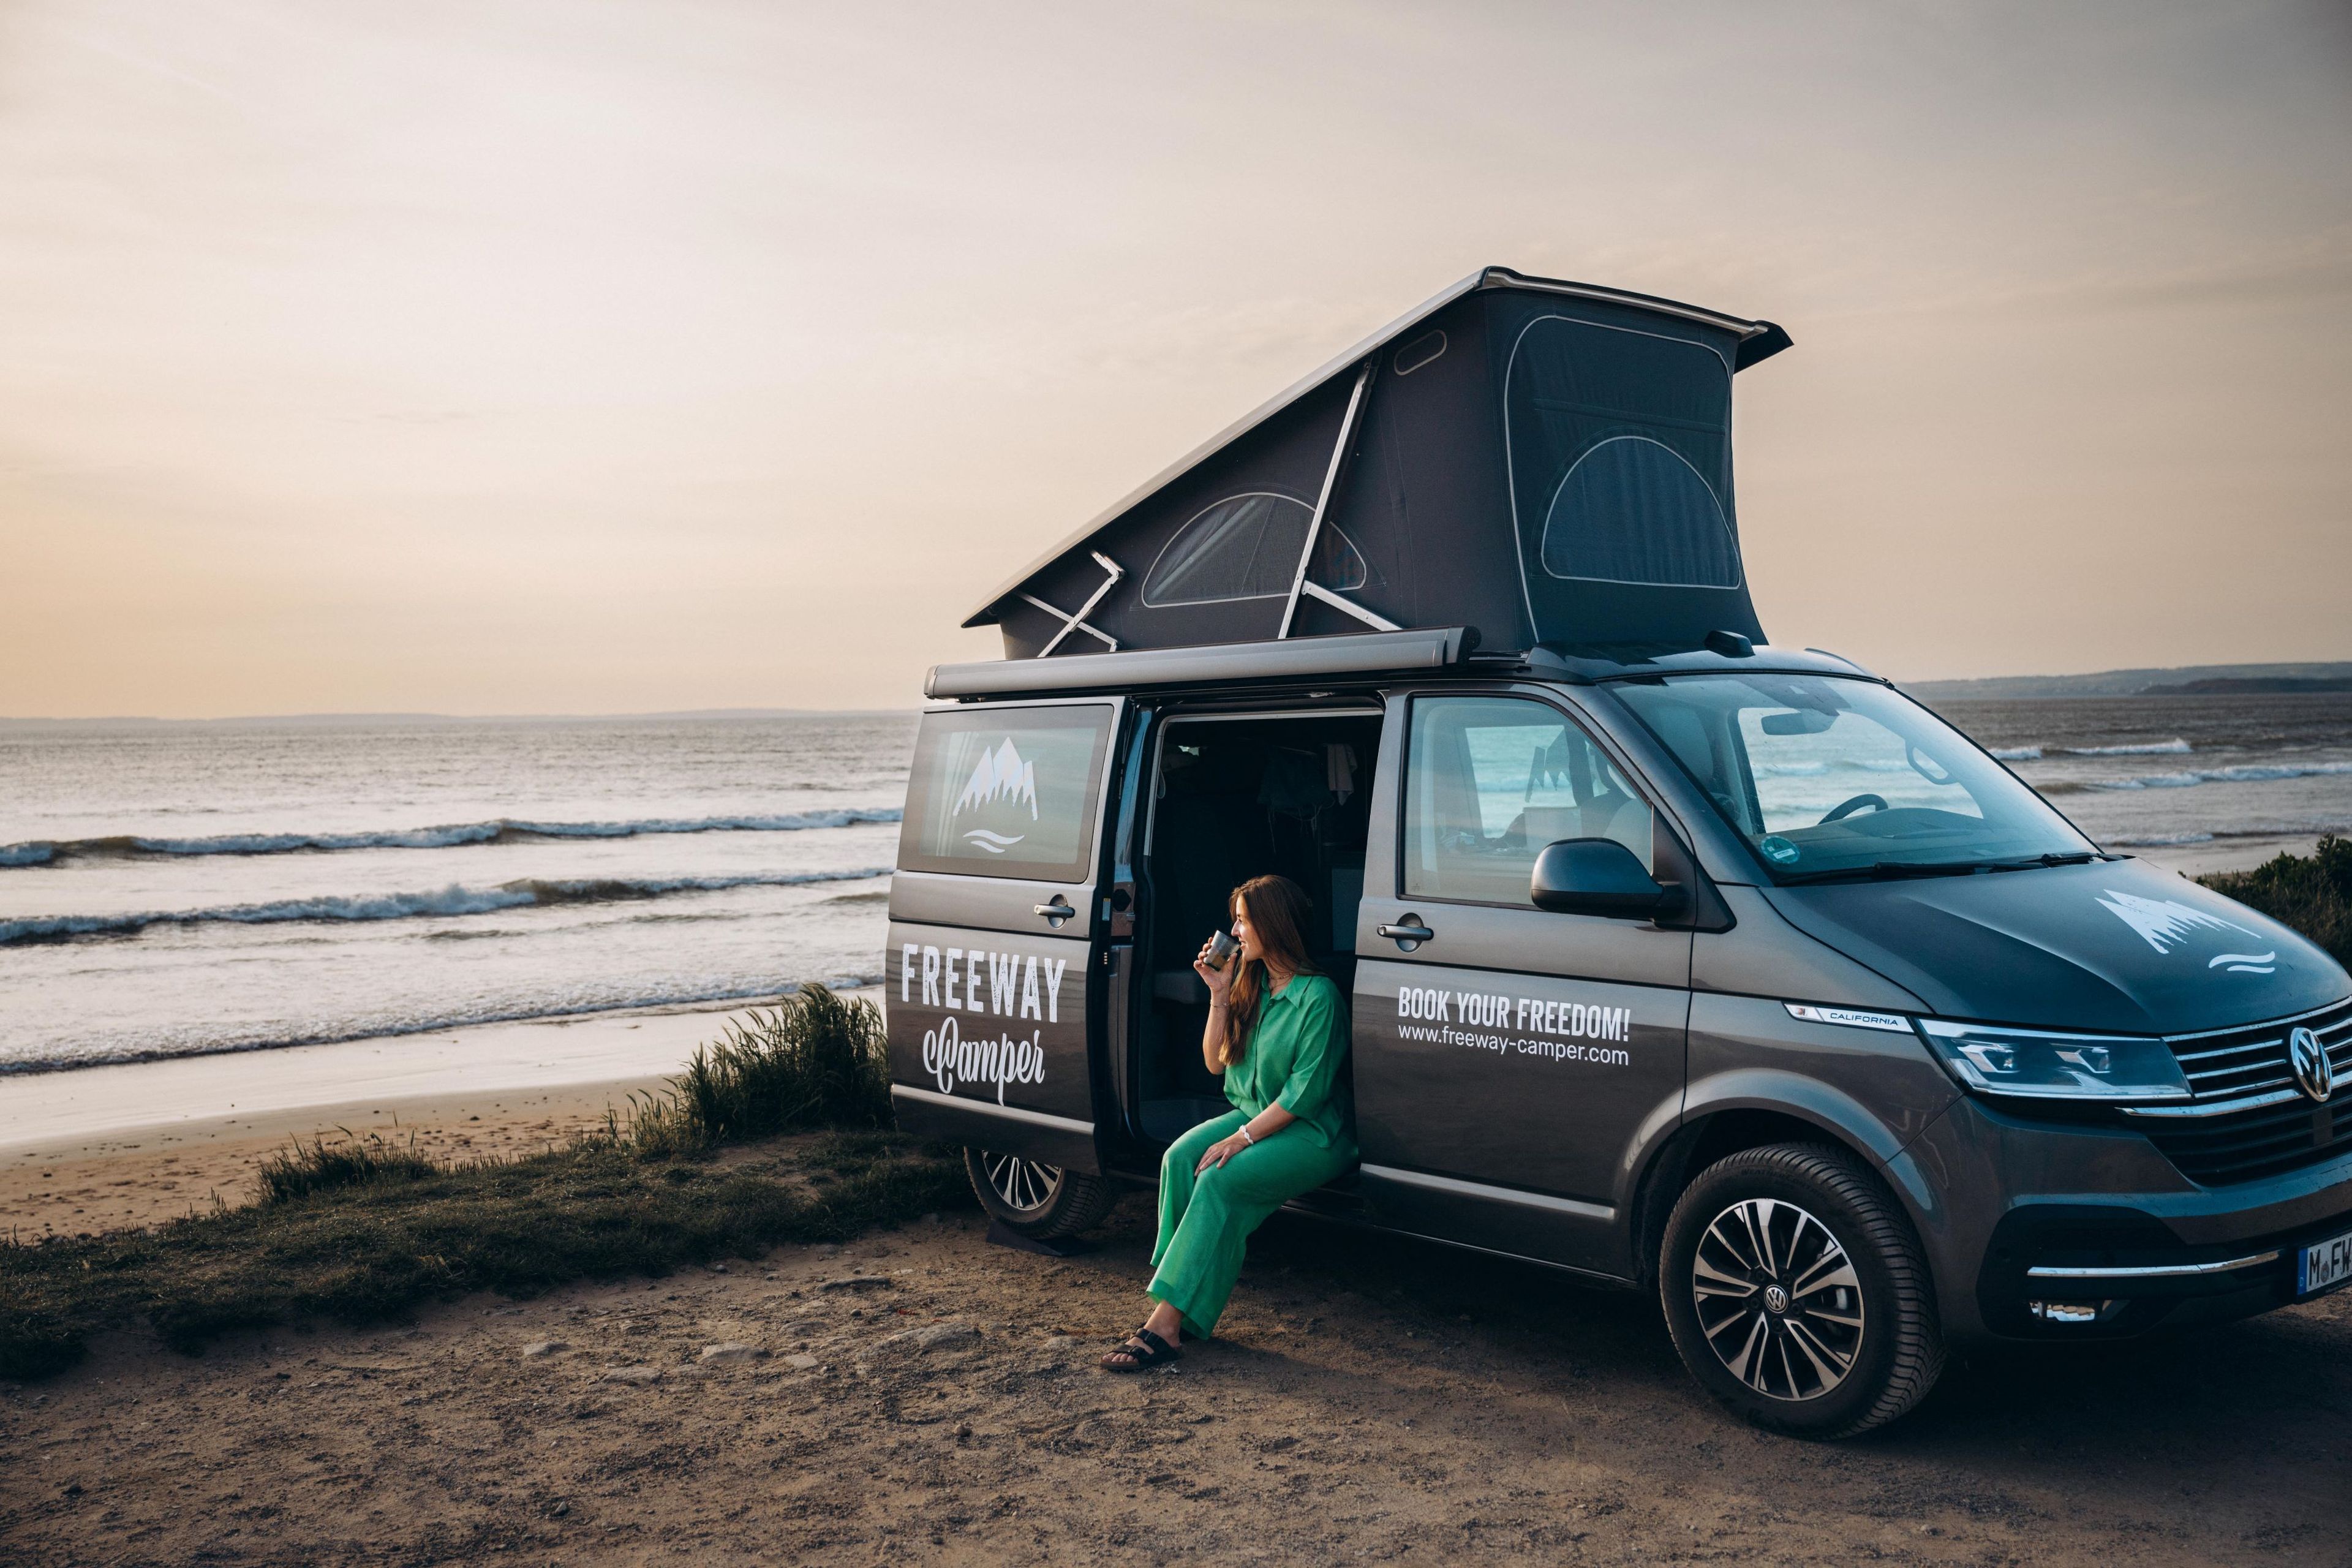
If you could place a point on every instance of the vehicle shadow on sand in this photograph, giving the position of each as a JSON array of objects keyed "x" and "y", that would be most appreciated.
[{"x": 2255, "y": 1415}]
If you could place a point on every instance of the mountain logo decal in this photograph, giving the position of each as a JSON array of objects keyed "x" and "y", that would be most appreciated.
[
  {"x": 1002, "y": 784},
  {"x": 2167, "y": 923}
]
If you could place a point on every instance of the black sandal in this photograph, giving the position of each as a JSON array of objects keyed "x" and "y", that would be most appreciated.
[{"x": 1152, "y": 1352}]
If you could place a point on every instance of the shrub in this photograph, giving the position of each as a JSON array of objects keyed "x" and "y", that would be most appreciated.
[
  {"x": 814, "y": 1060},
  {"x": 2311, "y": 894}
]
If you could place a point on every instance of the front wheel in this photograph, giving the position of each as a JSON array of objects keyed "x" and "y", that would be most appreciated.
[
  {"x": 1042, "y": 1202},
  {"x": 1797, "y": 1293}
]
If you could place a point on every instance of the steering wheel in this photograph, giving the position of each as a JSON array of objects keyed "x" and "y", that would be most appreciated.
[{"x": 1846, "y": 808}]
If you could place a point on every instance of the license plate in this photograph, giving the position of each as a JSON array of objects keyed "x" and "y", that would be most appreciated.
[{"x": 2324, "y": 1266}]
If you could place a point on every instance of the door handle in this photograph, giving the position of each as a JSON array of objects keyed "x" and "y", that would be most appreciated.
[
  {"x": 1056, "y": 912},
  {"x": 1408, "y": 934}
]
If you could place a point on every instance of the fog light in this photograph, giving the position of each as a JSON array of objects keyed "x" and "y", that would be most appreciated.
[{"x": 2068, "y": 1311}]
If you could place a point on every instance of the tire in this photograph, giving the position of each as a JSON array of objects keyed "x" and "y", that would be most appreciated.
[
  {"x": 1791, "y": 1338},
  {"x": 1042, "y": 1202}
]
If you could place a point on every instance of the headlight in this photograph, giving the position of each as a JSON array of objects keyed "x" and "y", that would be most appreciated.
[{"x": 2031, "y": 1064}]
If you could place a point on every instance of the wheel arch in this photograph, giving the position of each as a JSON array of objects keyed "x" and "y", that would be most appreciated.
[{"x": 1749, "y": 1109}]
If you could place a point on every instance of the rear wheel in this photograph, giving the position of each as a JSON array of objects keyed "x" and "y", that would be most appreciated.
[
  {"x": 1045, "y": 1203},
  {"x": 1797, "y": 1292}
]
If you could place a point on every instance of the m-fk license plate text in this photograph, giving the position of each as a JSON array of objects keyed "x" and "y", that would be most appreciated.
[{"x": 2324, "y": 1265}]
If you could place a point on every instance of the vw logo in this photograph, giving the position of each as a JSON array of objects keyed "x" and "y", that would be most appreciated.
[
  {"x": 2313, "y": 1071},
  {"x": 1776, "y": 1298}
]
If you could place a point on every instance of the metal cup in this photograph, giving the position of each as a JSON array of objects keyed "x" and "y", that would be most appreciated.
[{"x": 1222, "y": 947}]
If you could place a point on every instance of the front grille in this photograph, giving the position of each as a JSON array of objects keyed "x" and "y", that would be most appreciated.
[{"x": 2250, "y": 1119}]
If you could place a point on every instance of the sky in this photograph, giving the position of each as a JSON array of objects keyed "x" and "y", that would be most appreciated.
[{"x": 496, "y": 357}]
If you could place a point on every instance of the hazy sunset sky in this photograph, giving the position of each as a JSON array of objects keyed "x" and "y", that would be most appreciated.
[{"x": 496, "y": 357}]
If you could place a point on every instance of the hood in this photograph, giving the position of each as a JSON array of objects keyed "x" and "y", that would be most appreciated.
[{"x": 2113, "y": 946}]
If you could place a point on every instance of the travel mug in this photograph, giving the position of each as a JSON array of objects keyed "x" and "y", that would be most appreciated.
[{"x": 1222, "y": 947}]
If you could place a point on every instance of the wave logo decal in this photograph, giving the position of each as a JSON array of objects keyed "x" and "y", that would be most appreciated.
[
  {"x": 1001, "y": 783},
  {"x": 2167, "y": 923}
]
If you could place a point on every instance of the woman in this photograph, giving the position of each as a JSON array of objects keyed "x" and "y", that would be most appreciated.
[{"x": 1277, "y": 1034}]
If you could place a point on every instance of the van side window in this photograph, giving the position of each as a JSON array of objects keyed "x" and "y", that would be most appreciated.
[
  {"x": 1006, "y": 792},
  {"x": 1489, "y": 781}
]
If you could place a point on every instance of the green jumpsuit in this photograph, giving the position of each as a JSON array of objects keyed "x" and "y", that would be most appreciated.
[{"x": 1292, "y": 1060}]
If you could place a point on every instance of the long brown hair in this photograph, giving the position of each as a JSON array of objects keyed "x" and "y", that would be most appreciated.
[{"x": 1275, "y": 908}]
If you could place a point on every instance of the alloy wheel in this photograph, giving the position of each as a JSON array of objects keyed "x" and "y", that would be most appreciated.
[
  {"x": 1021, "y": 1184},
  {"x": 1777, "y": 1300}
]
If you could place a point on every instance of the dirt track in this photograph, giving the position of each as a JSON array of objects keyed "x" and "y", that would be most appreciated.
[{"x": 1379, "y": 1401}]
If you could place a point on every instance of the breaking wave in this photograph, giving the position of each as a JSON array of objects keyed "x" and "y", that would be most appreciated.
[
  {"x": 499, "y": 830},
  {"x": 2264, "y": 830},
  {"x": 379, "y": 1028},
  {"x": 2173, "y": 748},
  {"x": 529, "y": 892},
  {"x": 2244, "y": 772}
]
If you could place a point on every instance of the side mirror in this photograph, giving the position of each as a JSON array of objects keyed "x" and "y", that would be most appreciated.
[{"x": 1598, "y": 877}]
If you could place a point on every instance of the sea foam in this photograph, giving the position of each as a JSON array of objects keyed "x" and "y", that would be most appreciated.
[
  {"x": 498, "y": 830},
  {"x": 2244, "y": 772},
  {"x": 427, "y": 1023},
  {"x": 452, "y": 900}
]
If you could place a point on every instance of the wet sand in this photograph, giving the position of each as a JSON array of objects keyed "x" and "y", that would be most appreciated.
[{"x": 101, "y": 1148}]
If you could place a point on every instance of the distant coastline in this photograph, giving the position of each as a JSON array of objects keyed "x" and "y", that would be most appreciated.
[
  {"x": 2187, "y": 681},
  {"x": 299, "y": 721}
]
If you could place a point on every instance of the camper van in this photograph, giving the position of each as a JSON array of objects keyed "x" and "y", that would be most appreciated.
[{"x": 1677, "y": 960}]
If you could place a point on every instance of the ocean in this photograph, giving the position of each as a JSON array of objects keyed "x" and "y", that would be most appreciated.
[
  {"x": 170, "y": 889},
  {"x": 174, "y": 889}
]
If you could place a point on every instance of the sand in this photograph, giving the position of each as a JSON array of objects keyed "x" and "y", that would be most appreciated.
[
  {"x": 1380, "y": 1401},
  {"x": 102, "y": 1148},
  {"x": 2224, "y": 854}
]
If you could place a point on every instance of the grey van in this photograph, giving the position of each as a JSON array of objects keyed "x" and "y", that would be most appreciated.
[{"x": 1678, "y": 961}]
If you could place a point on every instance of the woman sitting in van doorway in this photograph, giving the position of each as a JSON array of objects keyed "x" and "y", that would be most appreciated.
[{"x": 1277, "y": 1034}]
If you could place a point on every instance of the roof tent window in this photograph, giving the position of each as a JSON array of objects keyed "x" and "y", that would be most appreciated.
[
  {"x": 1620, "y": 445},
  {"x": 1634, "y": 510},
  {"x": 1246, "y": 547}
]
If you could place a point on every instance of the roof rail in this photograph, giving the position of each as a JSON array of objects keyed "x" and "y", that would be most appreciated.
[{"x": 1292, "y": 658}]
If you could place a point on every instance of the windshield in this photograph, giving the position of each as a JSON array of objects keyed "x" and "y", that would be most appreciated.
[{"x": 1826, "y": 777}]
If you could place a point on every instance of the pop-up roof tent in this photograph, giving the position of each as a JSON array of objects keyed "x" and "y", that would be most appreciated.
[{"x": 1545, "y": 462}]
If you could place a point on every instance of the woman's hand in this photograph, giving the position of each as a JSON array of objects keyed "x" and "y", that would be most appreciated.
[
  {"x": 1219, "y": 981},
  {"x": 1222, "y": 1149}
]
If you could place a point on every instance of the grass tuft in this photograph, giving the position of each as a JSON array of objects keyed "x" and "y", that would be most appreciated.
[
  {"x": 299, "y": 1172},
  {"x": 814, "y": 1060},
  {"x": 2313, "y": 893}
]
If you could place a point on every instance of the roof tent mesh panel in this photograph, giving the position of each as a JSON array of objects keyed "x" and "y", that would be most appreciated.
[
  {"x": 1619, "y": 450},
  {"x": 1632, "y": 510},
  {"x": 1246, "y": 547}
]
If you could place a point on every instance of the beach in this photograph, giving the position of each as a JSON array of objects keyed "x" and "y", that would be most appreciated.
[
  {"x": 921, "y": 1396},
  {"x": 136, "y": 1144}
]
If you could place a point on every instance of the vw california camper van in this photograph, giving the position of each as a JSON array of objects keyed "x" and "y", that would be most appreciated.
[{"x": 1678, "y": 961}]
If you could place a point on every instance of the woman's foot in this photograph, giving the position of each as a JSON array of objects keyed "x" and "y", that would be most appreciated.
[
  {"x": 1143, "y": 1351},
  {"x": 1150, "y": 1345}
]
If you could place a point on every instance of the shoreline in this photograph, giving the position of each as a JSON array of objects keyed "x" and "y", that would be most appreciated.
[
  {"x": 66, "y": 1108},
  {"x": 2221, "y": 853},
  {"x": 136, "y": 1143}
]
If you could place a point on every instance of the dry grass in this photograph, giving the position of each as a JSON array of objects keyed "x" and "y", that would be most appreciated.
[{"x": 359, "y": 1231}]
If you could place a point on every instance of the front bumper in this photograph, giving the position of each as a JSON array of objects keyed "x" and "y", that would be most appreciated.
[{"x": 2094, "y": 1220}]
